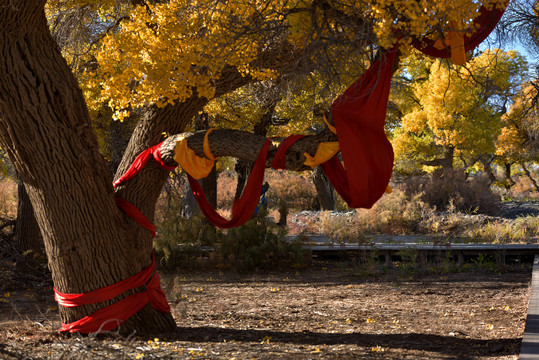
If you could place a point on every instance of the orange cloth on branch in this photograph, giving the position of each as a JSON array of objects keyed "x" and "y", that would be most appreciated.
[
  {"x": 330, "y": 127},
  {"x": 454, "y": 41},
  {"x": 196, "y": 166},
  {"x": 207, "y": 149},
  {"x": 325, "y": 151}
]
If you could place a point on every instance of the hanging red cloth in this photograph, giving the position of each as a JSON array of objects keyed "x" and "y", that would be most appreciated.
[
  {"x": 244, "y": 207},
  {"x": 140, "y": 162},
  {"x": 279, "y": 160},
  {"x": 486, "y": 22},
  {"x": 359, "y": 117},
  {"x": 110, "y": 317}
]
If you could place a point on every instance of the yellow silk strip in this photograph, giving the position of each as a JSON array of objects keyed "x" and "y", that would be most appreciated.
[
  {"x": 207, "y": 150},
  {"x": 325, "y": 151},
  {"x": 196, "y": 166},
  {"x": 455, "y": 41},
  {"x": 330, "y": 127}
]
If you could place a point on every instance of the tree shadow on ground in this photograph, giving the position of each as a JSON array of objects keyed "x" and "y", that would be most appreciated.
[{"x": 449, "y": 345}]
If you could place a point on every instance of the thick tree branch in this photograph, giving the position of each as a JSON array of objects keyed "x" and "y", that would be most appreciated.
[{"x": 246, "y": 146}]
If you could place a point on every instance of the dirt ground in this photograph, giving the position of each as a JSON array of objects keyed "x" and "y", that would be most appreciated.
[{"x": 331, "y": 310}]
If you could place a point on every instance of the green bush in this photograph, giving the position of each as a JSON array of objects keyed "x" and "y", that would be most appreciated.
[{"x": 258, "y": 244}]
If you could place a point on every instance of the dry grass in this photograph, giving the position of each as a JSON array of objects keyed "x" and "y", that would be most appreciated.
[
  {"x": 398, "y": 214},
  {"x": 8, "y": 198},
  {"x": 404, "y": 212}
]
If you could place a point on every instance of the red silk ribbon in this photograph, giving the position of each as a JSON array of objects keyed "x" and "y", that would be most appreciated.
[
  {"x": 140, "y": 162},
  {"x": 112, "y": 316},
  {"x": 244, "y": 207},
  {"x": 487, "y": 21}
]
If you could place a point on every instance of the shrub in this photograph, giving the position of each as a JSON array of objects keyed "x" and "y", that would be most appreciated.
[
  {"x": 394, "y": 213},
  {"x": 295, "y": 189},
  {"x": 441, "y": 189},
  {"x": 523, "y": 190},
  {"x": 176, "y": 233},
  {"x": 341, "y": 226},
  {"x": 258, "y": 244}
]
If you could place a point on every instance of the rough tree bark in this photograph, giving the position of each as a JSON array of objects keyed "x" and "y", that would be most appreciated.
[
  {"x": 325, "y": 193},
  {"x": 44, "y": 128},
  {"x": 27, "y": 233}
]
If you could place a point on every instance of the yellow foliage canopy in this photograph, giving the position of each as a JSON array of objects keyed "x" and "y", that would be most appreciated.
[
  {"x": 520, "y": 126},
  {"x": 458, "y": 107},
  {"x": 166, "y": 52}
]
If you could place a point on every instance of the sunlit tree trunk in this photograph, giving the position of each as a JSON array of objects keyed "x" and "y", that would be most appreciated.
[
  {"x": 529, "y": 176},
  {"x": 324, "y": 190},
  {"x": 45, "y": 129},
  {"x": 509, "y": 182}
]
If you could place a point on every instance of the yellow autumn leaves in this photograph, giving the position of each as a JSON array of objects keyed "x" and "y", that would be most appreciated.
[
  {"x": 167, "y": 52},
  {"x": 457, "y": 107},
  {"x": 518, "y": 123},
  {"x": 408, "y": 19},
  {"x": 163, "y": 53}
]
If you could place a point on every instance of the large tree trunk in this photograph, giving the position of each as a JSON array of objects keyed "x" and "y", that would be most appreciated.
[
  {"x": 509, "y": 182},
  {"x": 529, "y": 175},
  {"x": 488, "y": 169},
  {"x": 45, "y": 129},
  {"x": 27, "y": 233},
  {"x": 324, "y": 190},
  {"x": 444, "y": 163}
]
